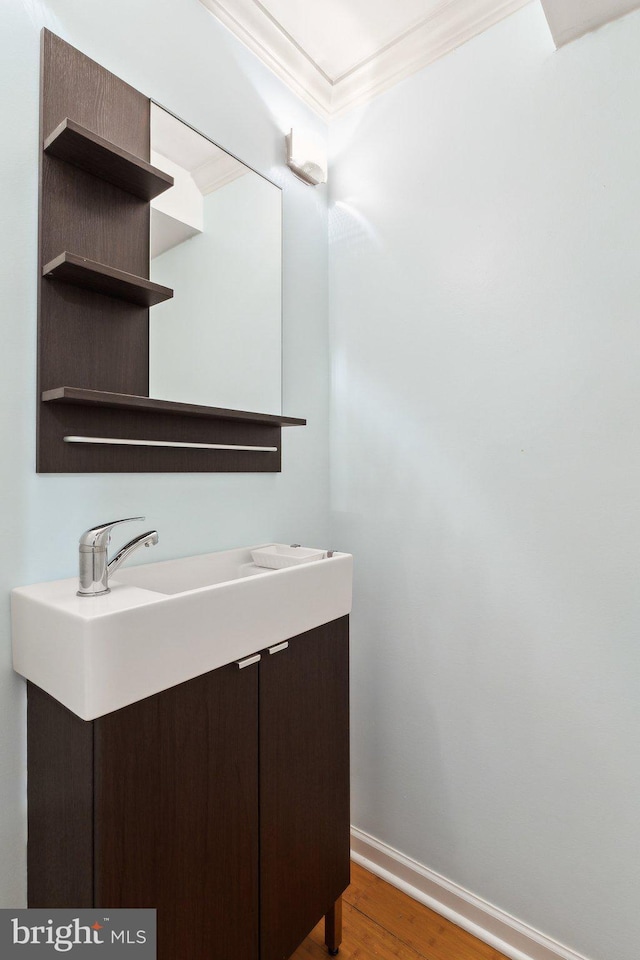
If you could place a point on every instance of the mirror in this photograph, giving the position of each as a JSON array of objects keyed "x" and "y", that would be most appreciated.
[{"x": 216, "y": 240}]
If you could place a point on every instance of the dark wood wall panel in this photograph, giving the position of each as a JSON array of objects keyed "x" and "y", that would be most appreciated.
[
  {"x": 93, "y": 340},
  {"x": 99, "y": 100},
  {"x": 87, "y": 216},
  {"x": 74, "y": 420},
  {"x": 84, "y": 338}
]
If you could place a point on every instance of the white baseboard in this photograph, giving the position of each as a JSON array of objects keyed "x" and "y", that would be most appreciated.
[{"x": 493, "y": 926}]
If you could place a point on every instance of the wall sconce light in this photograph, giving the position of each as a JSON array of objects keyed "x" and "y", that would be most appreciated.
[{"x": 307, "y": 157}]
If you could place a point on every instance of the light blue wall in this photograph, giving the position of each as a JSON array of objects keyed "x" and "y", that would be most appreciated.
[
  {"x": 485, "y": 335},
  {"x": 176, "y": 52}
]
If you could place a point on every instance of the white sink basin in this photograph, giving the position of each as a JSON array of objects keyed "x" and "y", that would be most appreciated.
[{"x": 164, "y": 623}]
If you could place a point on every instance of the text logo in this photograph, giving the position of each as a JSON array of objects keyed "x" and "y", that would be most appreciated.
[{"x": 83, "y": 934}]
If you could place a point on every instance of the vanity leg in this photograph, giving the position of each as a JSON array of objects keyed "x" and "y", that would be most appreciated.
[{"x": 333, "y": 928}]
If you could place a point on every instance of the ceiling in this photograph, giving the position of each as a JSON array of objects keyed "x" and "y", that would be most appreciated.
[
  {"x": 336, "y": 54},
  {"x": 339, "y": 37}
]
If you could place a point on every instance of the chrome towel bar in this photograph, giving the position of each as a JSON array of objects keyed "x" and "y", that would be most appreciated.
[{"x": 118, "y": 441}]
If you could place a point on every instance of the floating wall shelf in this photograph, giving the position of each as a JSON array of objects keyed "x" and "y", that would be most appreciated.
[
  {"x": 122, "y": 401},
  {"x": 72, "y": 142},
  {"x": 99, "y": 277}
]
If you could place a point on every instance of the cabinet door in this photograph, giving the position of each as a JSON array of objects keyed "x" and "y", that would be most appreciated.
[
  {"x": 304, "y": 785},
  {"x": 176, "y": 814}
]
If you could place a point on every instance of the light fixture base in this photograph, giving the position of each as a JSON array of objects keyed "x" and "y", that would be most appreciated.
[{"x": 306, "y": 158}]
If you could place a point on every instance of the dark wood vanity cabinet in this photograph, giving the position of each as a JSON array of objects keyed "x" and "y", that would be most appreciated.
[{"x": 222, "y": 802}]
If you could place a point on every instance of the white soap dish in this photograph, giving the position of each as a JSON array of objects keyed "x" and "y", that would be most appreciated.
[{"x": 278, "y": 555}]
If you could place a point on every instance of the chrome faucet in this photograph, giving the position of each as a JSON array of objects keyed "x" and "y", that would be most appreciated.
[{"x": 94, "y": 566}]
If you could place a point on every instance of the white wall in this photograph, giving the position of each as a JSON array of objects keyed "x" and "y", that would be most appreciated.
[
  {"x": 179, "y": 54},
  {"x": 485, "y": 325}
]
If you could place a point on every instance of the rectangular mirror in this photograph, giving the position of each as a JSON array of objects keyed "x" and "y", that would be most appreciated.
[{"x": 216, "y": 240}]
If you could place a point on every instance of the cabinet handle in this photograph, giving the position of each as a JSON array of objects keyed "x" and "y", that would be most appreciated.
[
  {"x": 278, "y": 647},
  {"x": 248, "y": 661}
]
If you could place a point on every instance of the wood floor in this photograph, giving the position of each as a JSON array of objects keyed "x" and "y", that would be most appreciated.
[{"x": 382, "y": 923}]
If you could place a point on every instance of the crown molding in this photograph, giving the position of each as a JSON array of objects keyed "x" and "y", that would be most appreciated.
[
  {"x": 277, "y": 50},
  {"x": 447, "y": 28}
]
